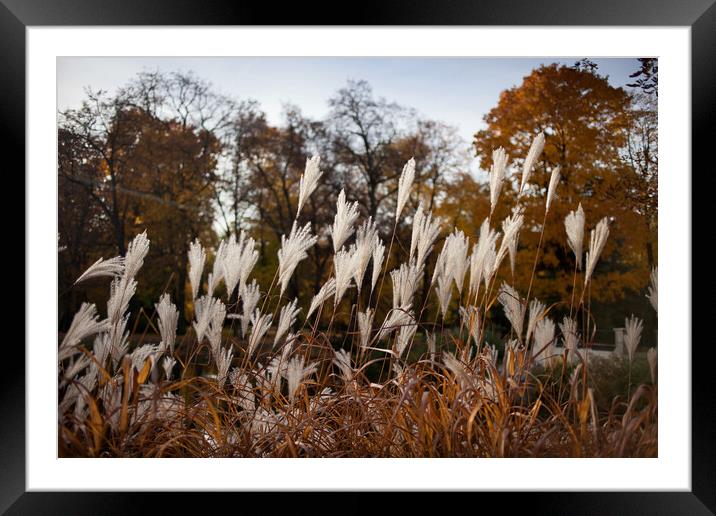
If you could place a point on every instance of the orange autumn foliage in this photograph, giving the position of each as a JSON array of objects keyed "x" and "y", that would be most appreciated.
[{"x": 586, "y": 123}]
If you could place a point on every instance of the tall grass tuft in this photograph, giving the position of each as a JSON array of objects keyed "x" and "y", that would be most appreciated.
[{"x": 389, "y": 382}]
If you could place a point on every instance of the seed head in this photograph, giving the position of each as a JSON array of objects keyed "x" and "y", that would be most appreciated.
[
  {"x": 286, "y": 320},
  {"x": 497, "y": 175},
  {"x": 197, "y": 258},
  {"x": 574, "y": 224},
  {"x": 114, "y": 267},
  {"x": 632, "y": 336},
  {"x": 552, "y": 189},
  {"x": 532, "y": 156},
  {"x": 514, "y": 308},
  {"x": 327, "y": 290},
  {"x": 293, "y": 250},
  {"x": 404, "y": 184},
  {"x": 309, "y": 181},
  {"x": 168, "y": 319},
  {"x": 346, "y": 216},
  {"x": 597, "y": 241}
]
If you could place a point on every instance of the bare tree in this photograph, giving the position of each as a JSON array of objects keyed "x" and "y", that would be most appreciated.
[{"x": 364, "y": 130}]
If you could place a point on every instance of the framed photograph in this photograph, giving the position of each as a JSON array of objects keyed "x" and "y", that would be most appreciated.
[{"x": 418, "y": 253}]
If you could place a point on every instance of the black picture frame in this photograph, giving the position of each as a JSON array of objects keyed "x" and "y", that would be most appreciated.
[{"x": 699, "y": 15}]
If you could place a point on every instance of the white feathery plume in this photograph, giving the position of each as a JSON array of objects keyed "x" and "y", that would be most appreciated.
[
  {"x": 238, "y": 261},
  {"x": 497, "y": 175},
  {"x": 405, "y": 335},
  {"x": 101, "y": 350},
  {"x": 223, "y": 363},
  {"x": 210, "y": 284},
  {"x": 259, "y": 326},
  {"x": 81, "y": 412},
  {"x": 309, "y": 181},
  {"x": 396, "y": 318},
  {"x": 425, "y": 232},
  {"x": 85, "y": 323},
  {"x": 510, "y": 230},
  {"x": 111, "y": 400},
  {"x": 249, "y": 257},
  {"x": 168, "y": 319},
  {"x": 417, "y": 227},
  {"x": 512, "y": 243},
  {"x": 485, "y": 242},
  {"x": 118, "y": 338},
  {"x": 286, "y": 320},
  {"x": 293, "y": 250},
  {"x": 345, "y": 264},
  {"x": 136, "y": 252},
  {"x": 458, "y": 262},
  {"x": 574, "y": 225},
  {"x": 442, "y": 264},
  {"x": 552, "y": 189},
  {"x": 250, "y": 296},
  {"x": 327, "y": 290},
  {"x": 296, "y": 372},
  {"x": 217, "y": 271},
  {"x": 378, "y": 255},
  {"x": 113, "y": 268},
  {"x": 288, "y": 345},
  {"x": 168, "y": 366},
  {"x": 632, "y": 335},
  {"x": 276, "y": 368},
  {"x": 514, "y": 308},
  {"x": 470, "y": 318},
  {"x": 121, "y": 291},
  {"x": 651, "y": 357},
  {"x": 76, "y": 365},
  {"x": 442, "y": 275},
  {"x": 489, "y": 269},
  {"x": 404, "y": 184},
  {"x": 365, "y": 325},
  {"x": 653, "y": 293},
  {"x": 343, "y": 222},
  {"x": 197, "y": 258},
  {"x": 343, "y": 360},
  {"x": 366, "y": 239},
  {"x": 215, "y": 328},
  {"x": 405, "y": 282},
  {"x": 532, "y": 155},
  {"x": 544, "y": 337},
  {"x": 570, "y": 335},
  {"x": 597, "y": 241},
  {"x": 140, "y": 355},
  {"x": 537, "y": 311},
  {"x": 444, "y": 292},
  {"x": 205, "y": 309}
]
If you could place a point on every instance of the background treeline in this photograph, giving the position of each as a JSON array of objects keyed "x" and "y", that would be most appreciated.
[{"x": 169, "y": 154}]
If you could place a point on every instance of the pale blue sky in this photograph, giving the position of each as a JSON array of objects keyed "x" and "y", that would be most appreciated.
[{"x": 457, "y": 91}]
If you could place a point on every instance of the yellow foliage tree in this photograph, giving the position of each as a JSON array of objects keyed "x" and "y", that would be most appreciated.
[{"x": 586, "y": 124}]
